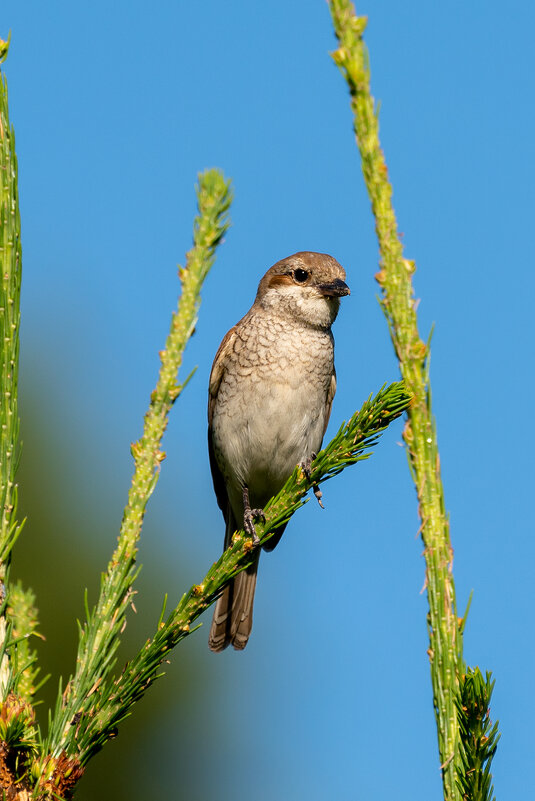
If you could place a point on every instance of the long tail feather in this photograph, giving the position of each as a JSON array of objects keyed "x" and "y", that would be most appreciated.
[{"x": 233, "y": 615}]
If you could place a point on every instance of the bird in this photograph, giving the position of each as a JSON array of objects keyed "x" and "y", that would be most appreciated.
[{"x": 270, "y": 395}]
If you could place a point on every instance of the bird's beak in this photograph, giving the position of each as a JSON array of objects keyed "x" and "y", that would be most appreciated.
[{"x": 334, "y": 289}]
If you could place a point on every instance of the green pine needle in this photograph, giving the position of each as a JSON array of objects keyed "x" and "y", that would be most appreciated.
[{"x": 479, "y": 736}]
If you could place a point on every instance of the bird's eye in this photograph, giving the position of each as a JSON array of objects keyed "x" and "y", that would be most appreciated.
[{"x": 300, "y": 276}]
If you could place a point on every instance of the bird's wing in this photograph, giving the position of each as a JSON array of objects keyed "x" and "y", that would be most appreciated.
[
  {"x": 233, "y": 614},
  {"x": 329, "y": 400},
  {"x": 218, "y": 370}
]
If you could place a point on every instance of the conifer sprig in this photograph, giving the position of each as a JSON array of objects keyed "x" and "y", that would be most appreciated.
[
  {"x": 479, "y": 736},
  {"x": 10, "y": 281},
  {"x": 399, "y": 307},
  {"x": 100, "y": 634}
]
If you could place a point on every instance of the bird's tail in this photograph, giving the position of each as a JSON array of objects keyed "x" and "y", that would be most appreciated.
[{"x": 233, "y": 615}]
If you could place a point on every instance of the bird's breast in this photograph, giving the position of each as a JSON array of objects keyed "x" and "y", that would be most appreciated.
[{"x": 270, "y": 410}]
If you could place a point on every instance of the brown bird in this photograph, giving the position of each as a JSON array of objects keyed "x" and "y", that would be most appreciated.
[{"x": 271, "y": 390}]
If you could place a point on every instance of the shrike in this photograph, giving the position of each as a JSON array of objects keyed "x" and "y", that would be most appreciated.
[{"x": 271, "y": 390}]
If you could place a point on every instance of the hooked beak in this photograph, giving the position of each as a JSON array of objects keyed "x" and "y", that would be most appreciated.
[{"x": 334, "y": 289}]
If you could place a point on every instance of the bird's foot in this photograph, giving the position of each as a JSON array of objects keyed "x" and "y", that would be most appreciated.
[
  {"x": 248, "y": 523},
  {"x": 249, "y": 517},
  {"x": 305, "y": 467}
]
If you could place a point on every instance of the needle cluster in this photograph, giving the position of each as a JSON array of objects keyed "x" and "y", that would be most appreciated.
[{"x": 479, "y": 736}]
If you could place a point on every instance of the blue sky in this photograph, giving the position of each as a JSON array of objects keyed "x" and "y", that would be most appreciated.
[{"x": 117, "y": 107}]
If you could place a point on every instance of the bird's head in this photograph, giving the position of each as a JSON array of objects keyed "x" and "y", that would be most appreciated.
[{"x": 306, "y": 287}]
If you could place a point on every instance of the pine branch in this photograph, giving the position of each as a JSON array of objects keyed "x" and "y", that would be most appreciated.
[
  {"x": 399, "y": 307},
  {"x": 10, "y": 266},
  {"x": 112, "y": 701},
  {"x": 18, "y": 734},
  {"x": 10, "y": 258},
  {"x": 99, "y": 635}
]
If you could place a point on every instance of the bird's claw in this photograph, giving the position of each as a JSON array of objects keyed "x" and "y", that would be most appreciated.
[
  {"x": 319, "y": 494},
  {"x": 258, "y": 514},
  {"x": 250, "y": 515},
  {"x": 306, "y": 468},
  {"x": 307, "y": 464}
]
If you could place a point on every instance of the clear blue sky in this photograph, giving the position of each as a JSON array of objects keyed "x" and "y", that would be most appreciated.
[{"x": 117, "y": 107}]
